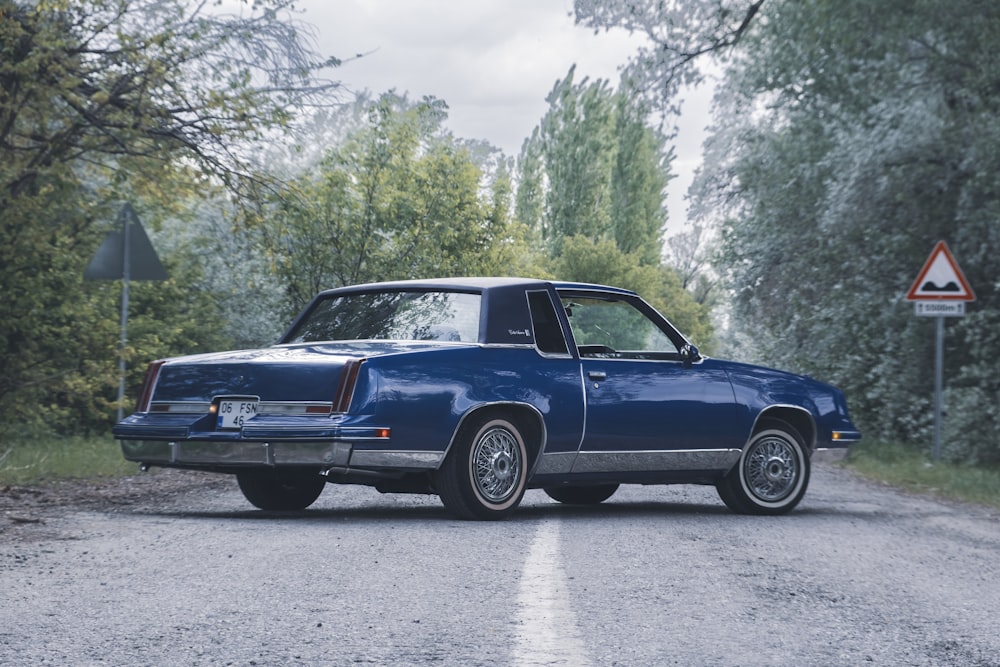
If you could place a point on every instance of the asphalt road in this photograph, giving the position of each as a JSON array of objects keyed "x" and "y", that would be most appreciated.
[{"x": 858, "y": 575}]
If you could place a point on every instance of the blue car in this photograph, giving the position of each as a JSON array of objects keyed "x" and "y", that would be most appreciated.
[{"x": 476, "y": 389}]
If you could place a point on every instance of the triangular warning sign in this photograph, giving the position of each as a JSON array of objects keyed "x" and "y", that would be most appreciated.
[
  {"x": 940, "y": 279},
  {"x": 109, "y": 263}
]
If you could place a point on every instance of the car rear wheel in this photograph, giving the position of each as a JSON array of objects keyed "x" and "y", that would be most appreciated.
[
  {"x": 772, "y": 474},
  {"x": 280, "y": 489},
  {"x": 582, "y": 495},
  {"x": 484, "y": 475}
]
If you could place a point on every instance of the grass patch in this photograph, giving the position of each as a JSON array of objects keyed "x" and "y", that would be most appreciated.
[
  {"x": 34, "y": 456},
  {"x": 905, "y": 467}
]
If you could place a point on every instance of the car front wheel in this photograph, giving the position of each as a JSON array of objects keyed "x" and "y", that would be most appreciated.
[
  {"x": 772, "y": 474},
  {"x": 279, "y": 489},
  {"x": 484, "y": 475}
]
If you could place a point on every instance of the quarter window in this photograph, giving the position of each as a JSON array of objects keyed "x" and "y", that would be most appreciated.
[{"x": 548, "y": 333}]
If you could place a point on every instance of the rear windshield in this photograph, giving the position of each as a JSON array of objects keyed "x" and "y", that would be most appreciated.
[{"x": 397, "y": 315}]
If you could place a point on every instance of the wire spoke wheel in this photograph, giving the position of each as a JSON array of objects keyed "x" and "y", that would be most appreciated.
[
  {"x": 484, "y": 475},
  {"x": 772, "y": 474},
  {"x": 771, "y": 469},
  {"x": 497, "y": 464}
]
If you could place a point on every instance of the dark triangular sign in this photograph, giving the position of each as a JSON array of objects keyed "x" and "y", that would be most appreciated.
[{"x": 109, "y": 260}]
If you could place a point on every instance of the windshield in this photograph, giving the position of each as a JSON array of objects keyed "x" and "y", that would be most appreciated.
[{"x": 397, "y": 315}]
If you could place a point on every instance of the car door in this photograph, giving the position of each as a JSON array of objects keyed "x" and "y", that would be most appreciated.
[{"x": 646, "y": 407}]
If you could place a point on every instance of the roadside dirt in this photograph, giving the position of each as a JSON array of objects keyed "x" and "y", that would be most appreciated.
[{"x": 32, "y": 506}]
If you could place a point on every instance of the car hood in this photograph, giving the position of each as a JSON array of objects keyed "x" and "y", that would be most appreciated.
[
  {"x": 300, "y": 372},
  {"x": 764, "y": 372},
  {"x": 776, "y": 386}
]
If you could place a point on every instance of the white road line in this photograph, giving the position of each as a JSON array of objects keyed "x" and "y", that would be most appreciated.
[{"x": 546, "y": 626}]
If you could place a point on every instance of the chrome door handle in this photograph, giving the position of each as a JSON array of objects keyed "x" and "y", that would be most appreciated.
[{"x": 597, "y": 375}]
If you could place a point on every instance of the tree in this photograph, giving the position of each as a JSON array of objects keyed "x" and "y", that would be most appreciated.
[
  {"x": 689, "y": 253},
  {"x": 578, "y": 149},
  {"x": 594, "y": 168},
  {"x": 106, "y": 100},
  {"x": 639, "y": 179},
  {"x": 592, "y": 183},
  {"x": 854, "y": 138},
  {"x": 849, "y": 137},
  {"x": 529, "y": 203},
  {"x": 683, "y": 35},
  {"x": 400, "y": 199},
  {"x": 680, "y": 33},
  {"x": 104, "y": 80}
]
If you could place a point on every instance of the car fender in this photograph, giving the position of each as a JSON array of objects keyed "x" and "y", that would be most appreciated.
[
  {"x": 528, "y": 417},
  {"x": 426, "y": 397}
]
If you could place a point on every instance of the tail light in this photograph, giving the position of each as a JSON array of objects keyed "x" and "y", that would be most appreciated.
[
  {"x": 148, "y": 383},
  {"x": 345, "y": 389}
]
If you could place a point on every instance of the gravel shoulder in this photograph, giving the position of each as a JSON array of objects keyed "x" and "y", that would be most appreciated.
[{"x": 23, "y": 509}]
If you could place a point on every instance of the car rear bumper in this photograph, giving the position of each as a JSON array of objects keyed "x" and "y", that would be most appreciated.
[{"x": 220, "y": 455}]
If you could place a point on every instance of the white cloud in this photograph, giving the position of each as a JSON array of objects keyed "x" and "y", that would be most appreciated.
[{"x": 493, "y": 62}]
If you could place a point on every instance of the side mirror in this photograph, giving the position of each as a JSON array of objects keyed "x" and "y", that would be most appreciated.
[{"x": 689, "y": 354}]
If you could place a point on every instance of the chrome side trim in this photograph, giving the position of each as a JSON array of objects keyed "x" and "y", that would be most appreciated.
[
  {"x": 123, "y": 430},
  {"x": 180, "y": 407},
  {"x": 311, "y": 429},
  {"x": 674, "y": 459},
  {"x": 282, "y": 408},
  {"x": 557, "y": 463},
  {"x": 586, "y": 407},
  {"x": 395, "y": 459},
  {"x": 554, "y": 355},
  {"x": 270, "y": 408},
  {"x": 675, "y": 362}
]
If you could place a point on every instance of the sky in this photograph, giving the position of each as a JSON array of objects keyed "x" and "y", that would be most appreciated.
[{"x": 492, "y": 61}]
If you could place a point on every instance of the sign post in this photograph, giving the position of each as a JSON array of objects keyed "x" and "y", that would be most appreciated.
[
  {"x": 125, "y": 254},
  {"x": 940, "y": 291}
]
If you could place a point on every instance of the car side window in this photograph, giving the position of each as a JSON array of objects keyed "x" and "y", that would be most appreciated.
[
  {"x": 548, "y": 334},
  {"x": 614, "y": 328}
]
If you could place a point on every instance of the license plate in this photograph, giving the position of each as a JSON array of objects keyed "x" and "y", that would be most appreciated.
[{"x": 234, "y": 413}]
